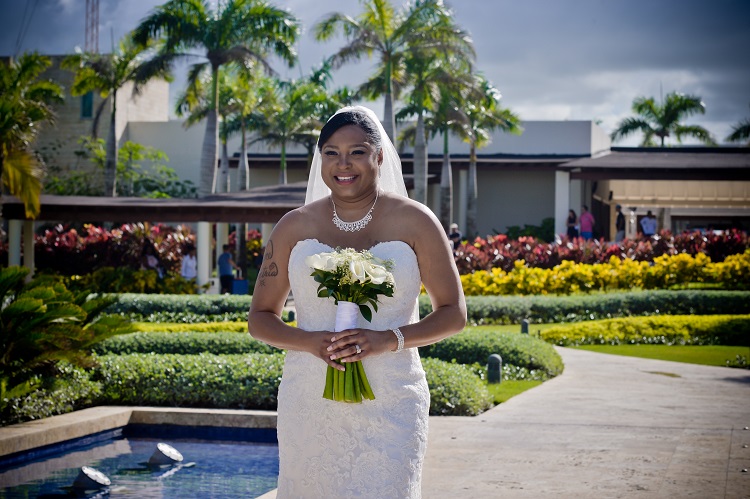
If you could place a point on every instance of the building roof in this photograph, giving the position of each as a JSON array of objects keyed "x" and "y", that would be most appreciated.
[
  {"x": 259, "y": 205},
  {"x": 651, "y": 163}
]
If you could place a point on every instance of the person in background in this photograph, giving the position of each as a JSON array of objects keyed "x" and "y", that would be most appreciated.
[
  {"x": 189, "y": 268},
  {"x": 648, "y": 225},
  {"x": 226, "y": 269},
  {"x": 455, "y": 235},
  {"x": 619, "y": 224},
  {"x": 572, "y": 224},
  {"x": 587, "y": 223}
]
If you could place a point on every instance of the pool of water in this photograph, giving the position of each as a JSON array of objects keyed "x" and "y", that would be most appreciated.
[{"x": 229, "y": 464}]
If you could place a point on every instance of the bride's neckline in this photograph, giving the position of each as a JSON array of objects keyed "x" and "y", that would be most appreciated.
[{"x": 312, "y": 239}]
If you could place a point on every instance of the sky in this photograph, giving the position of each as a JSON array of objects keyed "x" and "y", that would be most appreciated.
[{"x": 551, "y": 59}]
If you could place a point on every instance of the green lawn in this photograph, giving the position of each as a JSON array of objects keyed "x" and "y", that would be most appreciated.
[
  {"x": 706, "y": 355},
  {"x": 507, "y": 389}
]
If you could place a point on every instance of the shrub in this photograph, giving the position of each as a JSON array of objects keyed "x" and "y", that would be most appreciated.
[
  {"x": 455, "y": 390},
  {"x": 475, "y": 346},
  {"x": 502, "y": 251},
  {"x": 566, "y": 278},
  {"x": 576, "y": 308},
  {"x": 209, "y": 305},
  {"x": 668, "y": 330},
  {"x": 247, "y": 381},
  {"x": 195, "y": 327},
  {"x": 43, "y": 323},
  {"x": 186, "y": 343},
  {"x": 70, "y": 391}
]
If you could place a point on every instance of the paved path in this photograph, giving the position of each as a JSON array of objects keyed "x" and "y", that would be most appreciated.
[{"x": 609, "y": 427}]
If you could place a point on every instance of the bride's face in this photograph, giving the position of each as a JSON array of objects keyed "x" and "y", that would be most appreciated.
[{"x": 350, "y": 163}]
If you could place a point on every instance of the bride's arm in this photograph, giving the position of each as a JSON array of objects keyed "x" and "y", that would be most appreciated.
[
  {"x": 440, "y": 278},
  {"x": 270, "y": 293}
]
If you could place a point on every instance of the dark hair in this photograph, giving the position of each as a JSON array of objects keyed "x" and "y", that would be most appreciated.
[
  {"x": 585, "y": 207},
  {"x": 226, "y": 247},
  {"x": 353, "y": 117}
]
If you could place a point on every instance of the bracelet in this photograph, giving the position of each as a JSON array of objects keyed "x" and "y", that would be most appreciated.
[{"x": 400, "y": 338}]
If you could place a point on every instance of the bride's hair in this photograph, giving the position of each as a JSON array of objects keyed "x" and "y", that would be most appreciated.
[{"x": 352, "y": 117}]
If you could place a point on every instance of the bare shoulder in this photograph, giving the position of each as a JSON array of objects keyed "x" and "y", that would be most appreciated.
[
  {"x": 412, "y": 217},
  {"x": 298, "y": 224}
]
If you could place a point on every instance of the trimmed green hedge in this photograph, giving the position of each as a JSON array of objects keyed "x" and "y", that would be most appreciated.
[
  {"x": 668, "y": 330},
  {"x": 188, "y": 343},
  {"x": 247, "y": 381},
  {"x": 251, "y": 382},
  {"x": 474, "y": 346},
  {"x": 199, "y": 327},
  {"x": 554, "y": 309},
  {"x": 455, "y": 389}
]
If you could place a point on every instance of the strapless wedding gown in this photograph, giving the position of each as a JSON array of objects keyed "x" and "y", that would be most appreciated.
[{"x": 334, "y": 449}]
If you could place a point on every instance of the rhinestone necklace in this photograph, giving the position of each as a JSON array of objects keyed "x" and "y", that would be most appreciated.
[{"x": 356, "y": 225}]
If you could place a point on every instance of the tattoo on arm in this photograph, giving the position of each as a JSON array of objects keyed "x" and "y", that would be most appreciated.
[{"x": 269, "y": 270}]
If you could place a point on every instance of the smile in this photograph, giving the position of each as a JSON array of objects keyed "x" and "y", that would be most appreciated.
[{"x": 346, "y": 179}]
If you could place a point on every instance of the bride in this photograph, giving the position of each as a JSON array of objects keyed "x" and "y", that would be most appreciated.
[{"x": 355, "y": 199}]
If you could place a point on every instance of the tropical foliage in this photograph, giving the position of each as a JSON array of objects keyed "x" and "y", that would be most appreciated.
[
  {"x": 26, "y": 102},
  {"x": 133, "y": 177},
  {"x": 107, "y": 74},
  {"x": 664, "y": 120},
  {"x": 240, "y": 31},
  {"x": 43, "y": 323},
  {"x": 425, "y": 25}
]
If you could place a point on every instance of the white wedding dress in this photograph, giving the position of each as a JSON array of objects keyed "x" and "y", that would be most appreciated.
[{"x": 335, "y": 449}]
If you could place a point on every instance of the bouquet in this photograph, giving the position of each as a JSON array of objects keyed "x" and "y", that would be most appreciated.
[{"x": 354, "y": 279}]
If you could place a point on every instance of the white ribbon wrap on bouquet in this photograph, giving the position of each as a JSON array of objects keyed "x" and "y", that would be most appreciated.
[{"x": 346, "y": 315}]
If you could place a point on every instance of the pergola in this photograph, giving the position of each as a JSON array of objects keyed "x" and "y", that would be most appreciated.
[{"x": 264, "y": 205}]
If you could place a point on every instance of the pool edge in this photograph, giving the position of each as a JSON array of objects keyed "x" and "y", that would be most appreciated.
[{"x": 56, "y": 429}]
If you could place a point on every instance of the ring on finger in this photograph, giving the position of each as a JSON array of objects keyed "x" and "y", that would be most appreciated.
[{"x": 359, "y": 350}]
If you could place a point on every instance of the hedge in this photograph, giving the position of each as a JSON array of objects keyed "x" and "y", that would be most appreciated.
[
  {"x": 475, "y": 346},
  {"x": 199, "y": 327},
  {"x": 668, "y": 330},
  {"x": 455, "y": 390},
  {"x": 251, "y": 382},
  {"x": 71, "y": 390},
  {"x": 146, "y": 304},
  {"x": 247, "y": 381},
  {"x": 185, "y": 343},
  {"x": 575, "y": 308}
]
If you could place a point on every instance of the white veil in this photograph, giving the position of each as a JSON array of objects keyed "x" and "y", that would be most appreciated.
[{"x": 390, "y": 180}]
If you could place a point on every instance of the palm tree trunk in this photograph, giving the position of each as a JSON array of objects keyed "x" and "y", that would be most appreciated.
[
  {"x": 446, "y": 185},
  {"x": 110, "y": 163},
  {"x": 471, "y": 207},
  {"x": 243, "y": 175},
  {"x": 282, "y": 165},
  {"x": 210, "y": 140},
  {"x": 224, "y": 169},
  {"x": 389, "y": 119},
  {"x": 420, "y": 162}
]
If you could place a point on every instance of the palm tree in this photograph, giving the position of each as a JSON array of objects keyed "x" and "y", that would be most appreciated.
[
  {"x": 740, "y": 132},
  {"x": 664, "y": 120},
  {"x": 432, "y": 71},
  {"x": 446, "y": 117},
  {"x": 291, "y": 116},
  {"x": 25, "y": 103},
  {"x": 483, "y": 115},
  {"x": 392, "y": 35},
  {"x": 107, "y": 74},
  {"x": 238, "y": 30}
]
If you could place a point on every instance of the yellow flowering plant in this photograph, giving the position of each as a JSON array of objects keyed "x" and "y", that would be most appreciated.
[{"x": 352, "y": 278}]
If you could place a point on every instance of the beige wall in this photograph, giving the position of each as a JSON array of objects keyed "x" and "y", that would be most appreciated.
[{"x": 514, "y": 198}]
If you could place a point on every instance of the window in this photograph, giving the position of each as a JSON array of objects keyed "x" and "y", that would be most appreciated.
[{"x": 87, "y": 105}]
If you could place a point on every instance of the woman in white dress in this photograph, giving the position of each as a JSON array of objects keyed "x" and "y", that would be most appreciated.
[{"x": 355, "y": 199}]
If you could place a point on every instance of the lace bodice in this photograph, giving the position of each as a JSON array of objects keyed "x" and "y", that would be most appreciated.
[{"x": 334, "y": 449}]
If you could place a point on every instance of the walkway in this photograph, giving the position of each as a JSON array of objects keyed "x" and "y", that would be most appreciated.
[{"x": 609, "y": 427}]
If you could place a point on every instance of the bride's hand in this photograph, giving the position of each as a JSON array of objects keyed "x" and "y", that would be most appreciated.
[{"x": 352, "y": 345}]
